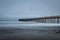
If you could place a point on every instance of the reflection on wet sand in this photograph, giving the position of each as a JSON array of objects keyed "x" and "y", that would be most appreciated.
[{"x": 27, "y": 34}]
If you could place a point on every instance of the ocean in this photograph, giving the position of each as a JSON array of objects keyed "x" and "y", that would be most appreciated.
[{"x": 19, "y": 30}]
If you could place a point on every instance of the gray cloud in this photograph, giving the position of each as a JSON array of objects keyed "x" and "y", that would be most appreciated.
[{"x": 28, "y": 8}]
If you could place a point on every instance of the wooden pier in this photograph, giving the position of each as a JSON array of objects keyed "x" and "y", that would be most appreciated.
[{"x": 47, "y": 19}]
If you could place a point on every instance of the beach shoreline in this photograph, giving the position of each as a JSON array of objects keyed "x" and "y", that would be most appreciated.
[{"x": 27, "y": 34}]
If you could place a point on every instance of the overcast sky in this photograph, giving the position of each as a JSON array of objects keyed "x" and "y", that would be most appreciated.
[{"x": 28, "y": 8}]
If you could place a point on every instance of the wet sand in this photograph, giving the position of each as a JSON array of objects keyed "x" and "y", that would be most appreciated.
[{"x": 27, "y": 34}]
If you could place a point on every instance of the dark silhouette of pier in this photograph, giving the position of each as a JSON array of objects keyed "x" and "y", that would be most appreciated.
[{"x": 46, "y": 19}]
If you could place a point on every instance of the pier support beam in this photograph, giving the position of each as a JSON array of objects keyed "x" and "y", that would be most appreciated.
[
  {"x": 57, "y": 20},
  {"x": 45, "y": 21}
]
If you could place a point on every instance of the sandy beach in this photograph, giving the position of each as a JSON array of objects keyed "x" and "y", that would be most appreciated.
[{"x": 27, "y": 34}]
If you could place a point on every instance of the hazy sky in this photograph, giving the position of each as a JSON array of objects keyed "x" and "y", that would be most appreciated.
[{"x": 28, "y": 8}]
